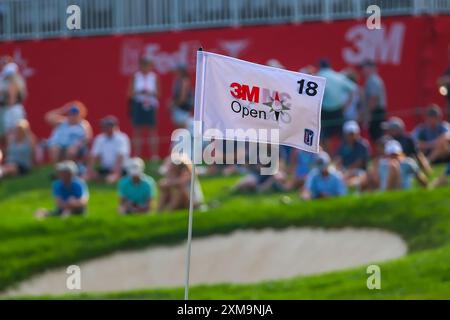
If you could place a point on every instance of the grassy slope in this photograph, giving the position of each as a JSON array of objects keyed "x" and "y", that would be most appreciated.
[{"x": 422, "y": 218}]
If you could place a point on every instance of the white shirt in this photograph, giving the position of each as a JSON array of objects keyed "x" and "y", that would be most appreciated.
[
  {"x": 146, "y": 83},
  {"x": 109, "y": 148}
]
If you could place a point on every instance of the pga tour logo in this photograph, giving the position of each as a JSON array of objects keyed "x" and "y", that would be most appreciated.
[
  {"x": 276, "y": 103},
  {"x": 308, "y": 137}
]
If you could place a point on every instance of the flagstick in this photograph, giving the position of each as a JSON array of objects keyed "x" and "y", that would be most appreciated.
[
  {"x": 191, "y": 210},
  {"x": 189, "y": 240}
]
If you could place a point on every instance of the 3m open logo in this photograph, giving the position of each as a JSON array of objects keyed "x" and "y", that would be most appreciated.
[
  {"x": 308, "y": 137},
  {"x": 254, "y": 96}
]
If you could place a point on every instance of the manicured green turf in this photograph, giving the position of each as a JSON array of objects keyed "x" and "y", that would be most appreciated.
[{"x": 421, "y": 217}]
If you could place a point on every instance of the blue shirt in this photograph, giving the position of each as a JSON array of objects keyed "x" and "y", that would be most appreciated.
[
  {"x": 408, "y": 170},
  {"x": 76, "y": 189},
  {"x": 374, "y": 87},
  {"x": 137, "y": 193},
  {"x": 331, "y": 185},
  {"x": 66, "y": 135},
  {"x": 427, "y": 134},
  {"x": 337, "y": 89},
  {"x": 351, "y": 153},
  {"x": 305, "y": 162}
]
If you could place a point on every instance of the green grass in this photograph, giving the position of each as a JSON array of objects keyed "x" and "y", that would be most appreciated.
[{"x": 421, "y": 217}]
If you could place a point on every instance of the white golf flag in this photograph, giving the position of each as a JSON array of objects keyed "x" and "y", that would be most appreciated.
[{"x": 233, "y": 94}]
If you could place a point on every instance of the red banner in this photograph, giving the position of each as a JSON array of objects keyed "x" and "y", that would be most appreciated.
[{"x": 411, "y": 53}]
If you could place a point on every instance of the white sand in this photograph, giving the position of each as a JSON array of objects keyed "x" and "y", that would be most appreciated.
[{"x": 243, "y": 256}]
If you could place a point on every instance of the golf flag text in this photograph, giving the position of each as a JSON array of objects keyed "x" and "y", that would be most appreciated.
[{"x": 233, "y": 94}]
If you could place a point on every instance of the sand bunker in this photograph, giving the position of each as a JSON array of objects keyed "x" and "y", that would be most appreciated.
[{"x": 243, "y": 256}]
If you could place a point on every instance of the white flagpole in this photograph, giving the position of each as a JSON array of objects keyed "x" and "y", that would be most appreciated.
[
  {"x": 191, "y": 210},
  {"x": 189, "y": 239}
]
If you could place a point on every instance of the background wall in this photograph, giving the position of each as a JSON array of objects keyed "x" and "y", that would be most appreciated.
[{"x": 411, "y": 53}]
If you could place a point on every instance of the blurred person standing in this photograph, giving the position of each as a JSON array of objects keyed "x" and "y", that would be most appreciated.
[
  {"x": 136, "y": 189},
  {"x": 19, "y": 151},
  {"x": 444, "y": 81},
  {"x": 323, "y": 181},
  {"x": 338, "y": 96},
  {"x": 182, "y": 102},
  {"x": 143, "y": 94},
  {"x": 352, "y": 109},
  {"x": 375, "y": 101},
  {"x": 69, "y": 191},
  {"x": 71, "y": 134},
  {"x": 111, "y": 149},
  {"x": 13, "y": 92}
]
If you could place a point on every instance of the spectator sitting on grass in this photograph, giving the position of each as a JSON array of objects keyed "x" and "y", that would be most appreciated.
[
  {"x": 432, "y": 135},
  {"x": 396, "y": 171},
  {"x": 370, "y": 181},
  {"x": 353, "y": 154},
  {"x": 304, "y": 163},
  {"x": 70, "y": 192},
  {"x": 395, "y": 129},
  {"x": 323, "y": 181},
  {"x": 19, "y": 152},
  {"x": 175, "y": 186},
  {"x": 443, "y": 179},
  {"x": 111, "y": 149},
  {"x": 255, "y": 181},
  {"x": 71, "y": 132},
  {"x": 136, "y": 189}
]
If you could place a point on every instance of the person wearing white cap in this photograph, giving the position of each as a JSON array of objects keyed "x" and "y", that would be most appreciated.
[
  {"x": 396, "y": 171},
  {"x": 323, "y": 181},
  {"x": 394, "y": 128},
  {"x": 136, "y": 189},
  {"x": 353, "y": 154},
  {"x": 70, "y": 192}
]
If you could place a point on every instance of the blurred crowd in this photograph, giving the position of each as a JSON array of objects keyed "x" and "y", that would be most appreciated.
[{"x": 355, "y": 102}]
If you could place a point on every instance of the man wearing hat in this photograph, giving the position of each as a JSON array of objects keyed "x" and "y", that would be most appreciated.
[
  {"x": 323, "y": 181},
  {"x": 353, "y": 154},
  {"x": 433, "y": 136},
  {"x": 110, "y": 150},
  {"x": 397, "y": 171},
  {"x": 70, "y": 192},
  {"x": 136, "y": 189},
  {"x": 375, "y": 98},
  {"x": 71, "y": 133}
]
